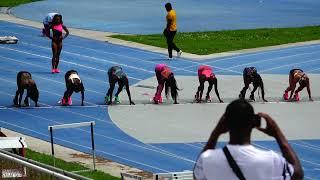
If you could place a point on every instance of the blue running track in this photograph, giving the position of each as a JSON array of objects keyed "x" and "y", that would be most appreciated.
[{"x": 92, "y": 59}]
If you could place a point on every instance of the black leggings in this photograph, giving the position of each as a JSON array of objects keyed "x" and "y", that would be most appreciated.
[
  {"x": 170, "y": 36},
  {"x": 112, "y": 82}
]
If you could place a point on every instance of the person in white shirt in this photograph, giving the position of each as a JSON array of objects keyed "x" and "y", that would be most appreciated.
[
  {"x": 46, "y": 24},
  {"x": 255, "y": 164}
]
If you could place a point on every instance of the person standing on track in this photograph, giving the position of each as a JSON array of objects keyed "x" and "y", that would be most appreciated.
[
  {"x": 250, "y": 75},
  {"x": 205, "y": 74},
  {"x": 297, "y": 76},
  {"x": 57, "y": 37},
  {"x": 115, "y": 75},
  {"x": 171, "y": 30},
  {"x": 165, "y": 78}
]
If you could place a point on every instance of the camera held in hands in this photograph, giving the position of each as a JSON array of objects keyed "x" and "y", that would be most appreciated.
[{"x": 257, "y": 120}]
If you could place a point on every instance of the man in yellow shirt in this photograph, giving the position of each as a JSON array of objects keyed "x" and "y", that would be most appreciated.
[{"x": 171, "y": 30}]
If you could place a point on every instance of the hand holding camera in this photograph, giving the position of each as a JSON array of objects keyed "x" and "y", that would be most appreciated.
[{"x": 271, "y": 128}]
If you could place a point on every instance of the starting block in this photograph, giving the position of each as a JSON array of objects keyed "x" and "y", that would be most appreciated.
[{"x": 8, "y": 40}]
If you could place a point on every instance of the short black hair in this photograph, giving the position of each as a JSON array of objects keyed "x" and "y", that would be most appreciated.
[
  {"x": 239, "y": 115},
  {"x": 168, "y": 6},
  {"x": 55, "y": 19}
]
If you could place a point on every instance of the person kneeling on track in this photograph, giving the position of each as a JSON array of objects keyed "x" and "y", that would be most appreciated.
[
  {"x": 25, "y": 81},
  {"x": 297, "y": 76},
  {"x": 205, "y": 74},
  {"x": 250, "y": 75},
  {"x": 165, "y": 79},
  {"x": 115, "y": 75},
  {"x": 73, "y": 84}
]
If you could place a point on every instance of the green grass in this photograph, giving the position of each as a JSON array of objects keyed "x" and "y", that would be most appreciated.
[
  {"x": 68, "y": 166},
  {"x": 12, "y": 3},
  {"x": 203, "y": 43}
]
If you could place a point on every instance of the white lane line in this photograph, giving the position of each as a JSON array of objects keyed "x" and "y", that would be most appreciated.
[
  {"x": 59, "y": 95},
  {"x": 105, "y": 60},
  {"x": 306, "y": 146},
  {"x": 258, "y": 53},
  {"x": 312, "y": 70},
  {"x": 67, "y": 62},
  {"x": 38, "y": 76},
  {"x": 62, "y": 108},
  {"x": 113, "y": 62},
  {"x": 35, "y": 65},
  {"x": 309, "y": 144},
  {"x": 289, "y": 65},
  {"x": 159, "y": 149},
  {"x": 191, "y": 145},
  {"x": 267, "y": 60},
  {"x": 83, "y": 146},
  {"x": 263, "y": 147},
  {"x": 111, "y": 138}
]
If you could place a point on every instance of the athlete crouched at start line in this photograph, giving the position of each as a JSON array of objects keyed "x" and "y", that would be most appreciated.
[
  {"x": 73, "y": 84},
  {"x": 297, "y": 76},
  {"x": 250, "y": 75},
  {"x": 205, "y": 74},
  {"x": 165, "y": 78},
  {"x": 116, "y": 75},
  {"x": 25, "y": 81}
]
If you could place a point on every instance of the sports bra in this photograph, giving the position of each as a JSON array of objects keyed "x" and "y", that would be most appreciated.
[{"x": 57, "y": 30}]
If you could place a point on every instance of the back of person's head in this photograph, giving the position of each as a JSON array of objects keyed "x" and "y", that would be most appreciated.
[
  {"x": 172, "y": 84},
  {"x": 240, "y": 115},
  {"x": 168, "y": 6}
]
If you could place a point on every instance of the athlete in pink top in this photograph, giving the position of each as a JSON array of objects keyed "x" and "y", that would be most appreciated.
[
  {"x": 205, "y": 74},
  {"x": 57, "y": 37},
  {"x": 165, "y": 79}
]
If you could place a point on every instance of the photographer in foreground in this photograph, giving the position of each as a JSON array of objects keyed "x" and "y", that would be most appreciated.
[{"x": 239, "y": 159}]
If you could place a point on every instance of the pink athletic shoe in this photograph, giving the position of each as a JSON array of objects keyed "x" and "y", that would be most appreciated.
[
  {"x": 157, "y": 99},
  {"x": 285, "y": 96},
  {"x": 63, "y": 102},
  {"x": 69, "y": 101},
  {"x": 53, "y": 71},
  {"x": 296, "y": 97},
  {"x": 57, "y": 70}
]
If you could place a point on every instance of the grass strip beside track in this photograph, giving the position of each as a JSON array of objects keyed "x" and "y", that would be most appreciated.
[
  {"x": 12, "y": 3},
  {"x": 67, "y": 166},
  {"x": 203, "y": 43}
]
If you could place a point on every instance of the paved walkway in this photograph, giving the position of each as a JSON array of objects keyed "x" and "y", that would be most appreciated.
[{"x": 148, "y": 16}]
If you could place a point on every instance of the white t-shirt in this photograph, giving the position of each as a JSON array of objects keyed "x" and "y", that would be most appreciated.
[
  {"x": 74, "y": 76},
  {"x": 255, "y": 164},
  {"x": 48, "y": 18}
]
